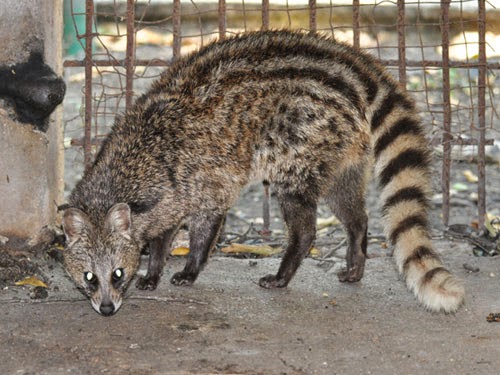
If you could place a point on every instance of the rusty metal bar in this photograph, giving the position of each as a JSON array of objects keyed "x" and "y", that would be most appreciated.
[
  {"x": 355, "y": 23},
  {"x": 130, "y": 54},
  {"x": 222, "y": 19},
  {"x": 266, "y": 216},
  {"x": 463, "y": 142},
  {"x": 177, "y": 33},
  {"x": 265, "y": 14},
  {"x": 401, "y": 43},
  {"x": 446, "y": 140},
  {"x": 481, "y": 107},
  {"x": 313, "y": 25},
  {"x": 87, "y": 145},
  {"x": 389, "y": 63},
  {"x": 122, "y": 63}
]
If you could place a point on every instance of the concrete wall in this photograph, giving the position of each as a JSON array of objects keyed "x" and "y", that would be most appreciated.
[{"x": 31, "y": 162}]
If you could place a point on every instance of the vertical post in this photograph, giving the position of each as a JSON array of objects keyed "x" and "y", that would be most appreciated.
[
  {"x": 401, "y": 43},
  {"x": 87, "y": 137},
  {"x": 312, "y": 15},
  {"x": 130, "y": 54},
  {"x": 176, "y": 20},
  {"x": 355, "y": 23},
  {"x": 54, "y": 17},
  {"x": 31, "y": 160},
  {"x": 265, "y": 15},
  {"x": 266, "y": 216},
  {"x": 447, "y": 138},
  {"x": 481, "y": 107},
  {"x": 222, "y": 19}
]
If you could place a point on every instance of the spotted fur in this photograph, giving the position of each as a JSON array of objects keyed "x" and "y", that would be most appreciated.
[{"x": 302, "y": 111}]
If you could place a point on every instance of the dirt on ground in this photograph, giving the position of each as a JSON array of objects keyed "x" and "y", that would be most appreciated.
[{"x": 226, "y": 324}]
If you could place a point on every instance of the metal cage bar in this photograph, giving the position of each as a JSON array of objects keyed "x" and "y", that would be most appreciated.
[
  {"x": 447, "y": 137},
  {"x": 88, "y": 62},
  {"x": 481, "y": 104}
]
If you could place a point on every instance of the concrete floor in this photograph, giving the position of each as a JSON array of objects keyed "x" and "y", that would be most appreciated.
[{"x": 227, "y": 324}]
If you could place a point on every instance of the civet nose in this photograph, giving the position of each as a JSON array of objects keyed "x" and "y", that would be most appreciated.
[{"x": 107, "y": 308}]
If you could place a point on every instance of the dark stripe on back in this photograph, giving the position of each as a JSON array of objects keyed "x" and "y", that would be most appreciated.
[
  {"x": 412, "y": 158},
  {"x": 407, "y": 224},
  {"x": 254, "y": 49},
  {"x": 272, "y": 45},
  {"x": 335, "y": 83},
  {"x": 418, "y": 255},
  {"x": 405, "y": 195},
  {"x": 401, "y": 127},
  {"x": 370, "y": 85},
  {"x": 430, "y": 274},
  {"x": 144, "y": 206},
  {"x": 390, "y": 102}
]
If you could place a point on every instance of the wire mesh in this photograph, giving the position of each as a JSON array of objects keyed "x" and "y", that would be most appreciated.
[{"x": 442, "y": 51}]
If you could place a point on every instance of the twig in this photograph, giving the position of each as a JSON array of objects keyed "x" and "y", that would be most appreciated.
[{"x": 342, "y": 243}]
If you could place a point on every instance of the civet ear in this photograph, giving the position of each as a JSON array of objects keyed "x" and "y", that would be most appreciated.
[
  {"x": 74, "y": 222},
  {"x": 118, "y": 219}
]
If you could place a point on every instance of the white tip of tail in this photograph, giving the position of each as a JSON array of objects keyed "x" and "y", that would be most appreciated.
[{"x": 440, "y": 291}]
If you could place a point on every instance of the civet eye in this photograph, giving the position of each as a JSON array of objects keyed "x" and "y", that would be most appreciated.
[
  {"x": 118, "y": 274},
  {"x": 90, "y": 277}
]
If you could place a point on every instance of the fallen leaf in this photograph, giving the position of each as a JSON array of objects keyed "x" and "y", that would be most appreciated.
[
  {"x": 474, "y": 197},
  {"x": 314, "y": 252},
  {"x": 470, "y": 176},
  {"x": 33, "y": 281},
  {"x": 460, "y": 186},
  {"x": 326, "y": 222},
  {"x": 263, "y": 250},
  {"x": 180, "y": 251}
]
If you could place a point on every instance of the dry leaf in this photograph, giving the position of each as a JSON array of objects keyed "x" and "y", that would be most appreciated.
[
  {"x": 180, "y": 251},
  {"x": 314, "y": 252},
  {"x": 470, "y": 177},
  {"x": 263, "y": 250},
  {"x": 327, "y": 222},
  {"x": 33, "y": 281},
  {"x": 474, "y": 224}
]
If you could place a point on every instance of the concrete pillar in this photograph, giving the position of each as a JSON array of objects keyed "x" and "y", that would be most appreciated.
[{"x": 31, "y": 161}]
